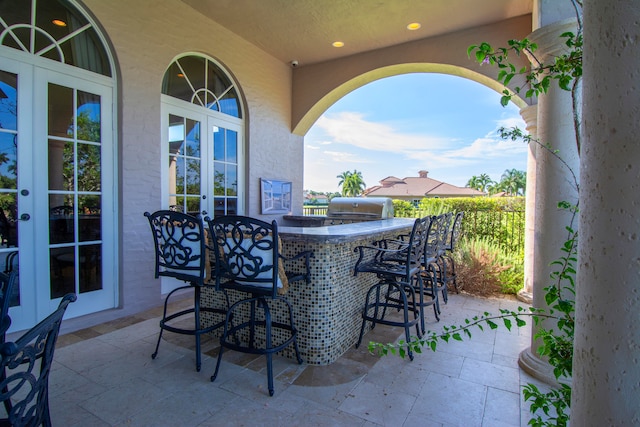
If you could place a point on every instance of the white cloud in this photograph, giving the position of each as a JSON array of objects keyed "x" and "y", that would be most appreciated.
[
  {"x": 511, "y": 122},
  {"x": 379, "y": 150},
  {"x": 352, "y": 129},
  {"x": 490, "y": 148},
  {"x": 344, "y": 157}
]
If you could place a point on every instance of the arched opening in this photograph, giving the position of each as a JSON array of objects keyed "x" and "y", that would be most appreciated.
[{"x": 401, "y": 124}]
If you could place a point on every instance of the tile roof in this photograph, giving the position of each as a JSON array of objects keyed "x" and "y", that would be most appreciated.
[{"x": 418, "y": 187}]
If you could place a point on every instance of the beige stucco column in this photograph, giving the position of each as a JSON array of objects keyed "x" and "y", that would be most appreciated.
[
  {"x": 606, "y": 364},
  {"x": 530, "y": 116},
  {"x": 554, "y": 183}
]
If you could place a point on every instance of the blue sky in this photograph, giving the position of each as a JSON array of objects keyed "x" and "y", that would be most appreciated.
[{"x": 399, "y": 125}]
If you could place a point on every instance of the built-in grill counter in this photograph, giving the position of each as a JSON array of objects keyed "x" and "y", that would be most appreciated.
[
  {"x": 327, "y": 310},
  {"x": 346, "y": 210}
]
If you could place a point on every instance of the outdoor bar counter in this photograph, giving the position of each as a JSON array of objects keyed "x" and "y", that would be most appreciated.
[{"x": 327, "y": 310}]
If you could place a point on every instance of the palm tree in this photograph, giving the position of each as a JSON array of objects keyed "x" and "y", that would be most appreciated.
[
  {"x": 352, "y": 183},
  {"x": 513, "y": 182},
  {"x": 480, "y": 183},
  {"x": 344, "y": 176}
]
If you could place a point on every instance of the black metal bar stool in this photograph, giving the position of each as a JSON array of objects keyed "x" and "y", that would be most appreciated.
[
  {"x": 180, "y": 252},
  {"x": 400, "y": 285},
  {"x": 248, "y": 260}
]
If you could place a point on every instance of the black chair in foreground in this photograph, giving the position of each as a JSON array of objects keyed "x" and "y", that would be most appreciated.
[
  {"x": 26, "y": 364},
  {"x": 400, "y": 282},
  {"x": 7, "y": 282},
  {"x": 180, "y": 252},
  {"x": 248, "y": 260}
]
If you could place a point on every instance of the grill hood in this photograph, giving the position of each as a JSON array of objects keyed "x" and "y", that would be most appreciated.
[{"x": 360, "y": 208}]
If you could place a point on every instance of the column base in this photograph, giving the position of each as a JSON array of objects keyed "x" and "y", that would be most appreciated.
[
  {"x": 539, "y": 369},
  {"x": 525, "y": 297}
]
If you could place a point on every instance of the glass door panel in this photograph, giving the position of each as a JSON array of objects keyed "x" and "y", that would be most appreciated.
[
  {"x": 9, "y": 177},
  {"x": 184, "y": 181},
  {"x": 225, "y": 171},
  {"x": 74, "y": 162}
]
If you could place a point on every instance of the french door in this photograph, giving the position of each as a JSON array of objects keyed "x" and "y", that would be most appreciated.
[
  {"x": 57, "y": 184},
  {"x": 201, "y": 163}
]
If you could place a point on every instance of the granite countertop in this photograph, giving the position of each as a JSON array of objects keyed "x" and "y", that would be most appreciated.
[{"x": 344, "y": 232}]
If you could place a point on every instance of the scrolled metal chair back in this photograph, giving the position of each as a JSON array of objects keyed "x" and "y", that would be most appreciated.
[
  {"x": 179, "y": 244},
  {"x": 442, "y": 223},
  {"x": 456, "y": 231},
  {"x": 246, "y": 253},
  {"x": 26, "y": 364},
  {"x": 417, "y": 241}
]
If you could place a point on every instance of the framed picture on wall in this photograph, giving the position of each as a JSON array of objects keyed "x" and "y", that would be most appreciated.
[{"x": 276, "y": 196}]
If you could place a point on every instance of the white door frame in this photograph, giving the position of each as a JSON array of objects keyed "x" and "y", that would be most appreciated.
[
  {"x": 208, "y": 119},
  {"x": 34, "y": 76}
]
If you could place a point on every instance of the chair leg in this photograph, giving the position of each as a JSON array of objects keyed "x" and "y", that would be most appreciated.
[
  {"x": 225, "y": 329},
  {"x": 164, "y": 316},
  {"x": 196, "y": 305},
  {"x": 407, "y": 328},
  {"x": 453, "y": 275},
  {"x": 269, "y": 355},
  {"x": 294, "y": 332},
  {"x": 215, "y": 373},
  {"x": 364, "y": 323}
]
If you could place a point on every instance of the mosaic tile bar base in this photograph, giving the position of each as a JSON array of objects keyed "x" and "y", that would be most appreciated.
[{"x": 327, "y": 310}]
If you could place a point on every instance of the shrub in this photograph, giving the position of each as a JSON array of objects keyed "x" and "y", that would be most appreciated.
[
  {"x": 512, "y": 279},
  {"x": 483, "y": 269},
  {"x": 403, "y": 209}
]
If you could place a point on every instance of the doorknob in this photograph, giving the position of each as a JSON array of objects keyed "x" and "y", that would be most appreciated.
[
  {"x": 204, "y": 212},
  {"x": 25, "y": 217}
]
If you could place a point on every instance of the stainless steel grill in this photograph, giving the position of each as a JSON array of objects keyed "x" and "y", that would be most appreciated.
[{"x": 346, "y": 210}]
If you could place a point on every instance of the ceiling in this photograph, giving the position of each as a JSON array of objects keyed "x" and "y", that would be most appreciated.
[{"x": 303, "y": 30}]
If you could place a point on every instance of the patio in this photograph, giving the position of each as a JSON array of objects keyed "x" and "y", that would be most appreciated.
[{"x": 104, "y": 376}]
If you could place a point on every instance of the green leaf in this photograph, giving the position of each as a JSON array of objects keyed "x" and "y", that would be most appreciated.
[
  {"x": 457, "y": 337},
  {"x": 507, "y": 323}
]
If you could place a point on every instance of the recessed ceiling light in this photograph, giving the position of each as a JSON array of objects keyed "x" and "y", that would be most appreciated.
[
  {"x": 413, "y": 26},
  {"x": 337, "y": 44},
  {"x": 59, "y": 23},
  {"x": 180, "y": 75}
]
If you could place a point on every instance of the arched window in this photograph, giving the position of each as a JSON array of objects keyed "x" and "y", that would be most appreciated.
[
  {"x": 202, "y": 118},
  {"x": 201, "y": 82},
  {"x": 53, "y": 29}
]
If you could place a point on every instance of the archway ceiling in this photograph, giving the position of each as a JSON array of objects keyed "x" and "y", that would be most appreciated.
[{"x": 303, "y": 30}]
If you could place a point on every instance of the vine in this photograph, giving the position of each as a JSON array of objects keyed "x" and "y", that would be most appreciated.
[{"x": 556, "y": 344}]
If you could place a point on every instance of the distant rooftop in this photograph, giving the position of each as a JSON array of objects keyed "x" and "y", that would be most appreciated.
[{"x": 418, "y": 187}]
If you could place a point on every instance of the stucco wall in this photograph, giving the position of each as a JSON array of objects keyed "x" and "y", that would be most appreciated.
[
  {"x": 316, "y": 87},
  {"x": 147, "y": 35}
]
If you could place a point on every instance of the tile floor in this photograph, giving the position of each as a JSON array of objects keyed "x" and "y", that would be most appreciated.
[{"x": 104, "y": 376}]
